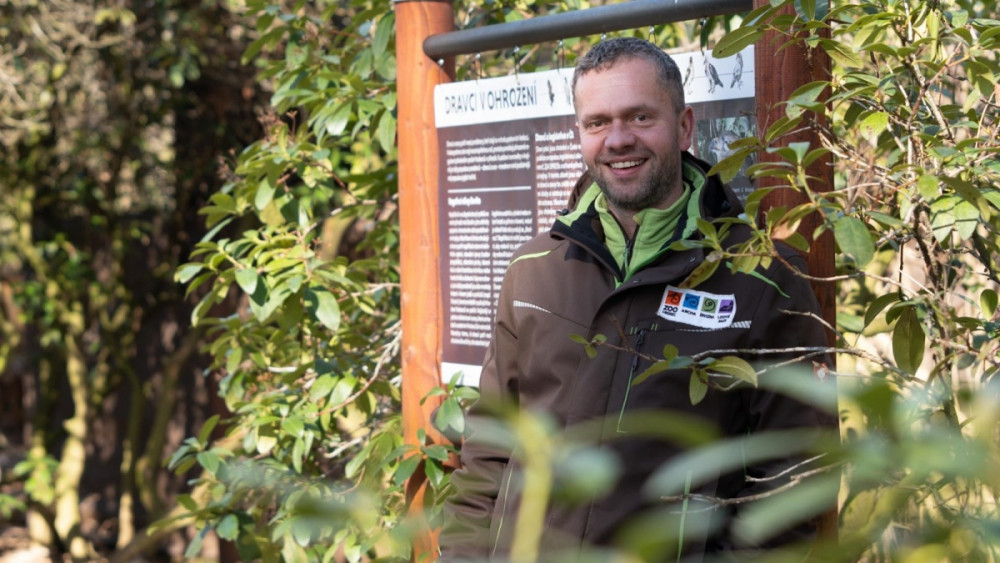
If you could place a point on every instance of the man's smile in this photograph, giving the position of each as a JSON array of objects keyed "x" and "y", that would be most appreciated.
[{"x": 625, "y": 164}]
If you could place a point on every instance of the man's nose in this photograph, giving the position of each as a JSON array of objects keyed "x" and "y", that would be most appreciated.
[{"x": 619, "y": 136}]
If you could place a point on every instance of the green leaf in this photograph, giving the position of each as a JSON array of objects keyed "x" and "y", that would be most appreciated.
[
  {"x": 908, "y": 341},
  {"x": 736, "y": 40},
  {"x": 449, "y": 415},
  {"x": 953, "y": 213},
  {"x": 386, "y": 132},
  {"x": 854, "y": 239},
  {"x": 927, "y": 187},
  {"x": 841, "y": 54},
  {"x": 730, "y": 166},
  {"x": 878, "y": 304},
  {"x": 247, "y": 279},
  {"x": 264, "y": 195},
  {"x": 849, "y": 322},
  {"x": 342, "y": 390},
  {"x": 302, "y": 531},
  {"x": 435, "y": 473},
  {"x": 188, "y": 271},
  {"x": 194, "y": 548},
  {"x": 988, "y": 303},
  {"x": 323, "y": 306},
  {"x": 808, "y": 95},
  {"x": 293, "y": 426},
  {"x": 322, "y": 387},
  {"x": 206, "y": 429},
  {"x": 873, "y": 125},
  {"x": 383, "y": 33},
  {"x": 697, "y": 387},
  {"x": 266, "y": 442},
  {"x": 437, "y": 451},
  {"x": 784, "y": 124},
  {"x": 702, "y": 271},
  {"x": 885, "y": 219},
  {"x": 405, "y": 470},
  {"x": 187, "y": 502},
  {"x": 229, "y": 527},
  {"x": 292, "y": 552},
  {"x": 657, "y": 367},
  {"x": 737, "y": 367},
  {"x": 271, "y": 215},
  {"x": 338, "y": 121},
  {"x": 811, "y": 10}
]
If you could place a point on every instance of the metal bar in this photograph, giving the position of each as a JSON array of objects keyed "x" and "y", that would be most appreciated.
[{"x": 602, "y": 19}]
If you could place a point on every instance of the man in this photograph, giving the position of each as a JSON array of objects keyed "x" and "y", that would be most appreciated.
[{"x": 607, "y": 268}]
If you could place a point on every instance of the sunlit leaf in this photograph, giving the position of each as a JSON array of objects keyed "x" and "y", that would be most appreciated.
[
  {"x": 988, "y": 303},
  {"x": 188, "y": 271},
  {"x": 854, "y": 239},
  {"x": 247, "y": 279},
  {"x": 874, "y": 124},
  {"x": 736, "y": 367}
]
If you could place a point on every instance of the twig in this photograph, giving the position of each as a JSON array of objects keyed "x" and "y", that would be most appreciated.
[{"x": 716, "y": 502}]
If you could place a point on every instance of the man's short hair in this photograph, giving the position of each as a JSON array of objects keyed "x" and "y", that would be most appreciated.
[{"x": 608, "y": 52}]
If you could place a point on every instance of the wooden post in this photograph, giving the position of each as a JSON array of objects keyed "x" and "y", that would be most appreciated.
[
  {"x": 416, "y": 77},
  {"x": 779, "y": 71}
]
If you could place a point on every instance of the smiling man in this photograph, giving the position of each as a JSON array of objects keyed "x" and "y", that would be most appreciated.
[{"x": 609, "y": 266}]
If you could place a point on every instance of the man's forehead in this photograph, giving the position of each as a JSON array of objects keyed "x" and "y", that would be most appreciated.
[{"x": 638, "y": 107}]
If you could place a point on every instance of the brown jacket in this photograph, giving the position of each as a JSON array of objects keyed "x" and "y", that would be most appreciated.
[{"x": 566, "y": 283}]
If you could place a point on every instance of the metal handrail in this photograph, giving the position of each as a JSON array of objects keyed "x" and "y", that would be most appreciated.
[{"x": 601, "y": 19}]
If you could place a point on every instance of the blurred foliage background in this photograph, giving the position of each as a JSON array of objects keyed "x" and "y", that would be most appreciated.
[{"x": 199, "y": 299}]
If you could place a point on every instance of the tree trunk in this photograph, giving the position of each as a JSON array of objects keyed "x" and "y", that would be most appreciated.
[{"x": 74, "y": 456}]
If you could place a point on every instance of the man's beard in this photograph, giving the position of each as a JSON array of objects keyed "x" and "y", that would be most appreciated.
[{"x": 654, "y": 189}]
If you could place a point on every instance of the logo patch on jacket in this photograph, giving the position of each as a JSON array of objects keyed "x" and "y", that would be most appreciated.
[{"x": 697, "y": 308}]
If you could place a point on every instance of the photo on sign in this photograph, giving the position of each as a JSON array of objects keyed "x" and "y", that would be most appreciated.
[{"x": 713, "y": 137}]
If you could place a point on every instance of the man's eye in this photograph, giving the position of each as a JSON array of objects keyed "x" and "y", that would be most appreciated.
[{"x": 641, "y": 117}]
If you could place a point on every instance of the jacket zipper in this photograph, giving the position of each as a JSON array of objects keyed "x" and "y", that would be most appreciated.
[
  {"x": 628, "y": 257},
  {"x": 629, "y": 244},
  {"x": 631, "y": 375}
]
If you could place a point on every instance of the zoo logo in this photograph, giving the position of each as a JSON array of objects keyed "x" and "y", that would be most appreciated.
[{"x": 671, "y": 302}]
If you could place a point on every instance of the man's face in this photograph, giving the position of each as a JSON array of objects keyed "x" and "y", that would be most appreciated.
[{"x": 631, "y": 136}]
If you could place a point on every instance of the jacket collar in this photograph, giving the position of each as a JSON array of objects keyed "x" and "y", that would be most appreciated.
[{"x": 582, "y": 224}]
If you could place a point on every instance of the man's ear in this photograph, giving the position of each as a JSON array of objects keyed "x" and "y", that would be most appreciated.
[{"x": 685, "y": 128}]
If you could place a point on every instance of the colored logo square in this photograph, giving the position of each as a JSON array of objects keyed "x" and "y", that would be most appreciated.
[
  {"x": 709, "y": 305},
  {"x": 691, "y": 301},
  {"x": 673, "y": 298},
  {"x": 726, "y": 306}
]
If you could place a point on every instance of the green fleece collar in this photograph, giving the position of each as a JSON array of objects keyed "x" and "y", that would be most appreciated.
[
  {"x": 655, "y": 228},
  {"x": 658, "y": 227}
]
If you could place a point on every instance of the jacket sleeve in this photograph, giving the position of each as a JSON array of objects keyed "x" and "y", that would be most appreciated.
[
  {"x": 785, "y": 317},
  {"x": 468, "y": 513}
]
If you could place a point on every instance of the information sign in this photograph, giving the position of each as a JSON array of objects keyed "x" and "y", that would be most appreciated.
[{"x": 510, "y": 156}]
